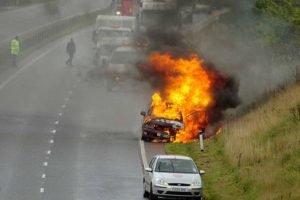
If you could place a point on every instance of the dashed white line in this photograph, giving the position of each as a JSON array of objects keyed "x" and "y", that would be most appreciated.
[
  {"x": 67, "y": 99},
  {"x": 44, "y": 176},
  {"x": 42, "y": 190},
  {"x": 45, "y": 164},
  {"x": 63, "y": 106},
  {"x": 53, "y": 131},
  {"x": 56, "y": 122},
  {"x": 48, "y": 152},
  {"x": 60, "y": 114},
  {"x": 51, "y": 141}
]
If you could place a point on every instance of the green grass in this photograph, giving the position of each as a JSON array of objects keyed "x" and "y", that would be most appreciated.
[{"x": 257, "y": 157}]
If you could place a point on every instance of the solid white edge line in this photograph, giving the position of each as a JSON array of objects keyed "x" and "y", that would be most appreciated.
[
  {"x": 143, "y": 154},
  {"x": 14, "y": 75}
]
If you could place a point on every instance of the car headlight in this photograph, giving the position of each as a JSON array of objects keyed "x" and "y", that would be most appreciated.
[
  {"x": 161, "y": 182},
  {"x": 196, "y": 184}
]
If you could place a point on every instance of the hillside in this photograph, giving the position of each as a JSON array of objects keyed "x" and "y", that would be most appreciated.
[{"x": 257, "y": 156}]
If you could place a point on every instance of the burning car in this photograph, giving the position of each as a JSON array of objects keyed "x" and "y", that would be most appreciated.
[{"x": 159, "y": 128}]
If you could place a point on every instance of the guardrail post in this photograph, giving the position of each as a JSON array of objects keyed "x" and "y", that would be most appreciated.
[{"x": 201, "y": 138}]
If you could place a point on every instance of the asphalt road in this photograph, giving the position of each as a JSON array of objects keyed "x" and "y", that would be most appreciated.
[
  {"x": 24, "y": 19},
  {"x": 63, "y": 136}
]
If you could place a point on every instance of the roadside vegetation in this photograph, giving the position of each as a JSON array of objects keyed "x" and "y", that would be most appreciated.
[
  {"x": 257, "y": 156},
  {"x": 279, "y": 20}
]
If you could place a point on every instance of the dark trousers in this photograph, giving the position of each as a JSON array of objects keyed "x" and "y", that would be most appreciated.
[
  {"x": 14, "y": 60},
  {"x": 70, "y": 59}
]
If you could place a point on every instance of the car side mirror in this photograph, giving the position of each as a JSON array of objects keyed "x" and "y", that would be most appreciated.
[
  {"x": 143, "y": 113},
  {"x": 148, "y": 169},
  {"x": 201, "y": 172}
]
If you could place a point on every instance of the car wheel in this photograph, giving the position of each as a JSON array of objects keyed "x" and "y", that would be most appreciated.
[
  {"x": 145, "y": 194},
  {"x": 151, "y": 195},
  {"x": 143, "y": 137}
]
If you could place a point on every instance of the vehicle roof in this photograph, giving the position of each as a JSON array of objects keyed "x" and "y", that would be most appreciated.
[
  {"x": 127, "y": 49},
  {"x": 174, "y": 157},
  {"x": 115, "y": 17},
  {"x": 112, "y": 28}
]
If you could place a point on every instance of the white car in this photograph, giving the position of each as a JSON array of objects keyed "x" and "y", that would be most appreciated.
[{"x": 172, "y": 176}]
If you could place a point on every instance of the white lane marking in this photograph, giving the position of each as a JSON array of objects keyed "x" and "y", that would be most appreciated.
[
  {"x": 42, "y": 190},
  {"x": 48, "y": 152},
  {"x": 45, "y": 164},
  {"x": 17, "y": 73},
  {"x": 56, "y": 123},
  {"x": 44, "y": 176},
  {"x": 67, "y": 99},
  {"x": 51, "y": 141},
  {"x": 60, "y": 114},
  {"x": 53, "y": 131},
  {"x": 63, "y": 106},
  {"x": 143, "y": 154}
]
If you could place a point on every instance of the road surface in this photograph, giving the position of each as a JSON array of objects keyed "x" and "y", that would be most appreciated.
[
  {"x": 24, "y": 19},
  {"x": 63, "y": 136}
]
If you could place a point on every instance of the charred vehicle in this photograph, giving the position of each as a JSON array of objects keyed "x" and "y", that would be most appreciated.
[{"x": 160, "y": 129}]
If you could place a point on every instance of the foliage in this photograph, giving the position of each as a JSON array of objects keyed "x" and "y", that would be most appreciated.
[{"x": 287, "y": 10}]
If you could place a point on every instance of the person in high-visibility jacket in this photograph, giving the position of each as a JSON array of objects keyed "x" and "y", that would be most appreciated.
[{"x": 15, "y": 49}]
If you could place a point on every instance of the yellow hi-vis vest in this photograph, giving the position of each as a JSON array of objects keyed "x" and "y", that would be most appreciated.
[{"x": 15, "y": 47}]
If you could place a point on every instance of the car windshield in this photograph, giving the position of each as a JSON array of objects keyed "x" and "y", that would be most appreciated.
[{"x": 176, "y": 166}]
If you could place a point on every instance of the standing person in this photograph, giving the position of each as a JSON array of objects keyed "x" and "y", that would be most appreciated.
[
  {"x": 14, "y": 50},
  {"x": 71, "y": 49}
]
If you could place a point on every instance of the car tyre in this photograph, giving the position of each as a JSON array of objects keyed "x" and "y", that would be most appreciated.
[
  {"x": 145, "y": 194},
  {"x": 151, "y": 195}
]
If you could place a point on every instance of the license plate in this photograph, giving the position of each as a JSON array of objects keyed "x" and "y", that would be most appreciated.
[{"x": 176, "y": 189}]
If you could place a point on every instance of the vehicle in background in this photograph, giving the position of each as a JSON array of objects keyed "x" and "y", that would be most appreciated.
[
  {"x": 127, "y": 7},
  {"x": 111, "y": 32},
  {"x": 113, "y": 25},
  {"x": 122, "y": 66},
  {"x": 116, "y": 21},
  {"x": 157, "y": 13},
  {"x": 160, "y": 129},
  {"x": 174, "y": 13},
  {"x": 108, "y": 39},
  {"x": 172, "y": 176}
]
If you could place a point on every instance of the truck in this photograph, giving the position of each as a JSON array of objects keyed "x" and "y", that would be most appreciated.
[
  {"x": 111, "y": 32},
  {"x": 168, "y": 12}
]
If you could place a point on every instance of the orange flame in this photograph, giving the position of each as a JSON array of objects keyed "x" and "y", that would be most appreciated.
[{"x": 187, "y": 91}]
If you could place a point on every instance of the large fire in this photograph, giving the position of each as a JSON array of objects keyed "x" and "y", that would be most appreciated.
[{"x": 186, "y": 91}]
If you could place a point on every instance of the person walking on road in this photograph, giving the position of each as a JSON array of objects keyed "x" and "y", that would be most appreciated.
[
  {"x": 71, "y": 49},
  {"x": 15, "y": 49}
]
